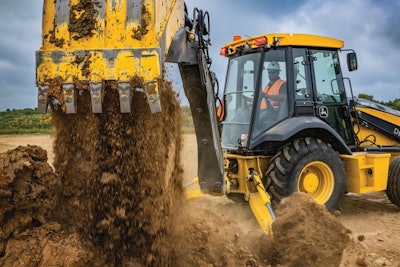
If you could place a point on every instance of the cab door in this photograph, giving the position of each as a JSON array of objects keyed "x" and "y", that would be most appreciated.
[
  {"x": 303, "y": 91},
  {"x": 330, "y": 101}
]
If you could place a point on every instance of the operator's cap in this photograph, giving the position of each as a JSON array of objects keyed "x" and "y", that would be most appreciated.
[{"x": 274, "y": 66}]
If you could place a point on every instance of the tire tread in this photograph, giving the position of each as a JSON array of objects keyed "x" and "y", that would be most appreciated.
[
  {"x": 278, "y": 174},
  {"x": 393, "y": 186}
]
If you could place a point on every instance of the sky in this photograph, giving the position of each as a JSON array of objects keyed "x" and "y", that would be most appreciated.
[{"x": 370, "y": 27}]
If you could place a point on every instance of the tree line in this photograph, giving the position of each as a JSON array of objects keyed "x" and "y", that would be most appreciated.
[{"x": 394, "y": 104}]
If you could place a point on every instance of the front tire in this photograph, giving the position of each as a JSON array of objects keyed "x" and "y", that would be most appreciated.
[
  {"x": 393, "y": 186},
  {"x": 307, "y": 165}
]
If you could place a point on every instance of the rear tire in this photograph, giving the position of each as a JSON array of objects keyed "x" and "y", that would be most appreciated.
[
  {"x": 307, "y": 165},
  {"x": 393, "y": 186}
]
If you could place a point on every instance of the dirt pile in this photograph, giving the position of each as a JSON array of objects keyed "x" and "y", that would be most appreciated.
[
  {"x": 28, "y": 195},
  {"x": 230, "y": 229},
  {"x": 211, "y": 231},
  {"x": 29, "y": 234},
  {"x": 306, "y": 234},
  {"x": 28, "y": 188},
  {"x": 49, "y": 245}
]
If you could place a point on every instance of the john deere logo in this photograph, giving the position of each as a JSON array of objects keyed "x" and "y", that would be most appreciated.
[
  {"x": 323, "y": 112},
  {"x": 396, "y": 132}
]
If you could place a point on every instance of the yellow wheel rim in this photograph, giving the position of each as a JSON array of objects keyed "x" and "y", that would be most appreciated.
[{"x": 317, "y": 180}]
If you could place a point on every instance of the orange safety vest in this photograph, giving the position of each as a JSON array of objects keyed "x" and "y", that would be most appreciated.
[
  {"x": 221, "y": 111},
  {"x": 272, "y": 89}
]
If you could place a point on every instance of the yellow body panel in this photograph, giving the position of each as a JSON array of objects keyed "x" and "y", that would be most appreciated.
[
  {"x": 110, "y": 24},
  {"x": 364, "y": 132},
  {"x": 366, "y": 172},
  {"x": 284, "y": 39}
]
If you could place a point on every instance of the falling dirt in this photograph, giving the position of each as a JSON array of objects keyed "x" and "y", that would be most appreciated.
[{"x": 119, "y": 173}]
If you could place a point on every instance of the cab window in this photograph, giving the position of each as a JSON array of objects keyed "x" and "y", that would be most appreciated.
[{"x": 328, "y": 79}]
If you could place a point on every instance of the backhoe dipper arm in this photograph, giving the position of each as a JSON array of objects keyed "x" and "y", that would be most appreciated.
[{"x": 190, "y": 51}]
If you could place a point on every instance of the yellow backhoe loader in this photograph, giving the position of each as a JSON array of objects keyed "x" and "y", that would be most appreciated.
[
  {"x": 313, "y": 136},
  {"x": 309, "y": 136}
]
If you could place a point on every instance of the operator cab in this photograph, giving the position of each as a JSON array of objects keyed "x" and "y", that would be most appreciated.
[{"x": 311, "y": 87}]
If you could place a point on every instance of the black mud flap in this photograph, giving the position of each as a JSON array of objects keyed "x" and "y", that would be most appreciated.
[{"x": 198, "y": 87}]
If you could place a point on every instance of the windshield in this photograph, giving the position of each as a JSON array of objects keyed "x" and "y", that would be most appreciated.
[{"x": 241, "y": 94}]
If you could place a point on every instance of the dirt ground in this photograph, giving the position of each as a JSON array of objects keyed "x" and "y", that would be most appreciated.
[{"x": 220, "y": 232}]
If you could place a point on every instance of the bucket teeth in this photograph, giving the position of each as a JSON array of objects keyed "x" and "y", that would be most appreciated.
[
  {"x": 154, "y": 103},
  {"x": 151, "y": 89},
  {"x": 124, "y": 90},
  {"x": 43, "y": 98},
  {"x": 69, "y": 97},
  {"x": 95, "y": 96}
]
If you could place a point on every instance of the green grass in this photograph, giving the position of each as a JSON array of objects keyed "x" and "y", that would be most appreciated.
[
  {"x": 28, "y": 121},
  {"x": 25, "y": 121}
]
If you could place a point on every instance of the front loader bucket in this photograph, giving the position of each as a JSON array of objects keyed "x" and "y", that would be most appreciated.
[{"x": 88, "y": 42}]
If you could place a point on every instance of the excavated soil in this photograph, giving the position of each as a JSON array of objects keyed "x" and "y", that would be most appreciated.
[
  {"x": 28, "y": 187},
  {"x": 306, "y": 234}
]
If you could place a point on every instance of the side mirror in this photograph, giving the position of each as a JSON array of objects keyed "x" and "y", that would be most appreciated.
[{"x": 352, "y": 61}]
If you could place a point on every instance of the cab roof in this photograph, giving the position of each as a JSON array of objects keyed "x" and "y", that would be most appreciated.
[{"x": 280, "y": 39}]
